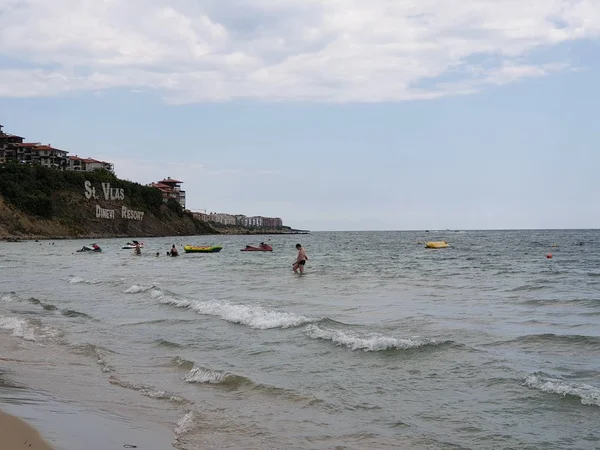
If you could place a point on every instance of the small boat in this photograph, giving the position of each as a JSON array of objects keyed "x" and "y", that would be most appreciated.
[
  {"x": 436, "y": 244},
  {"x": 202, "y": 249},
  {"x": 90, "y": 248},
  {"x": 131, "y": 245},
  {"x": 261, "y": 248}
]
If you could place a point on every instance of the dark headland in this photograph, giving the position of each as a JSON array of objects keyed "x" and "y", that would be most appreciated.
[{"x": 38, "y": 203}]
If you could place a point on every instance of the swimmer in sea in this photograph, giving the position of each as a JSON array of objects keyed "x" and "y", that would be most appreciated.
[{"x": 300, "y": 259}]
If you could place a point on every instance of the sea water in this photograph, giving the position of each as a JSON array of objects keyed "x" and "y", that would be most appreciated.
[{"x": 381, "y": 344}]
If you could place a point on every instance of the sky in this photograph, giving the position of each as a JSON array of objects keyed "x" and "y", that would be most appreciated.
[{"x": 333, "y": 115}]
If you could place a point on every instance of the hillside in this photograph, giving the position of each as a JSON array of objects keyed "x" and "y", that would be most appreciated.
[{"x": 40, "y": 202}]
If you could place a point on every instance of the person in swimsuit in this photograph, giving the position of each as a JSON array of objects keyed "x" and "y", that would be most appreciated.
[{"x": 300, "y": 259}]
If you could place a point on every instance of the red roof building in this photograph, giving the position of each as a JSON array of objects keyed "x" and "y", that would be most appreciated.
[
  {"x": 171, "y": 188},
  {"x": 35, "y": 153},
  {"x": 8, "y": 139},
  {"x": 78, "y": 164},
  {"x": 12, "y": 147}
]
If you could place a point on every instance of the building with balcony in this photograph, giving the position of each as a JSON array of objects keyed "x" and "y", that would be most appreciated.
[
  {"x": 272, "y": 222},
  {"x": 7, "y": 139},
  {"x": 78, "y": 164},
  {"x": 13, "y": 148},
  {"x": 171, "y": 188},
  {"x": 222, "y": 218},
  {"x": 35, "y": 153},
  {"x": 239, "y": 220}
]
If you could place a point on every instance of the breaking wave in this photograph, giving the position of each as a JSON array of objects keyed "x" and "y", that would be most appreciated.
[
  {"x": 587, "y": 394},
  {"x": 369, "y": 342},
  {"x": 136, "y": 289},
  {"x": 10, "y": 297},
  {"x": 186, "y": 425},
  {"x": 250, "y": 316},
  {"x": 207, "y": 376},
  {"x": 200, "y": 375},
  {"x": 147, "y": 391},
  {"x": 28, "y": 330},
  {"x": 78, "y": 280}
]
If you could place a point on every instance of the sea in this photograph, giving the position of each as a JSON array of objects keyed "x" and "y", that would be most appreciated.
[{"x": 491, "y": 343}]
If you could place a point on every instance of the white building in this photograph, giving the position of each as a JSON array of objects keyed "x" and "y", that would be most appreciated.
[
  {"x": 223, "y": 219},
  {"x": 87, "y": 164},
  {"x": 254, "y": 221}
]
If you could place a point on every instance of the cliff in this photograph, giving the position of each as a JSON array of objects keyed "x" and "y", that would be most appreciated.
[{"x": 36, "y": 202}]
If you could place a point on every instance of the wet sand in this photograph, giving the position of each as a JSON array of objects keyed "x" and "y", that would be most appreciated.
[
  {"x": 16, "y": 434},
  {"x": 73, "y": 404}
]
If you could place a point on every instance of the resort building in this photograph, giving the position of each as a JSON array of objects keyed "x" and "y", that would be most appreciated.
[
  {"x": 201, "y": 215},
  {"x": 35, "y": 153},
  {"x": 171, "y": 188},
  {"x": 78, "y": 164},
  {"x": 222, "y": 218},
  {"x": 259, "y": 222},
  {"x": 13, "y": 148},
  {"x": 239, "y": 220},
  {"x": 7, "y": 139},
  {"x": 272, "y": 222}
]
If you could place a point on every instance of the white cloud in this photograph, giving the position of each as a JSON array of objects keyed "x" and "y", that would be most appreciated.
[{"x": 321, "y": 50}]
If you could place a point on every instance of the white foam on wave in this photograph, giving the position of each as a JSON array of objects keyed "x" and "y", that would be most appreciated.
[
  {"x": 136, "y": 289},
  {"x": 148, "y": 391},
  {"x": 589, "y": 395},
  {"x": 199, "y": 375},
  {"x": 10, "y": 297},
  {"x": 371, "y": 342},
  {"x": 19, "y": 327},
  {"x": 79, "y": 280},
  {"x": 185, "y": 425},
  {"x": 26, "y": 330},
  {"x": 251, "y": 316},
  {"x": 101, "y": 361}
]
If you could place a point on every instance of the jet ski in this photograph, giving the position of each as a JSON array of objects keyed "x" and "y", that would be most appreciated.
[
  {"x": 131, "y": 245},
  {"x": 90, "y": 248}
]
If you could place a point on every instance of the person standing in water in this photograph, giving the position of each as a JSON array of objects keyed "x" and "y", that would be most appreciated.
[
  {"x": 138, "y": 249},
  {"x": 300, "y": 259},
  {"x": 174, "y": 251}
]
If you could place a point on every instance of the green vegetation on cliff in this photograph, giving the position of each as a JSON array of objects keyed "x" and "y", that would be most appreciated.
[{"x": 48, "y": 202}]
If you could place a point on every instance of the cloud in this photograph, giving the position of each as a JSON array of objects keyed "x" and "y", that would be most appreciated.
[{"x": 315, "y": 50}]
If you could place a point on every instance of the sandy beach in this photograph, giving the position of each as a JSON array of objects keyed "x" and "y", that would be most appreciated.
[{"x": 17, "y": 434}]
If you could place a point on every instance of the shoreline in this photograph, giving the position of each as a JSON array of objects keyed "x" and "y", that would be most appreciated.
[
  {"x": 16, "y": 433},
  {"x": 33, "y": 237},
  {"x": 75, "y": 406}
]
